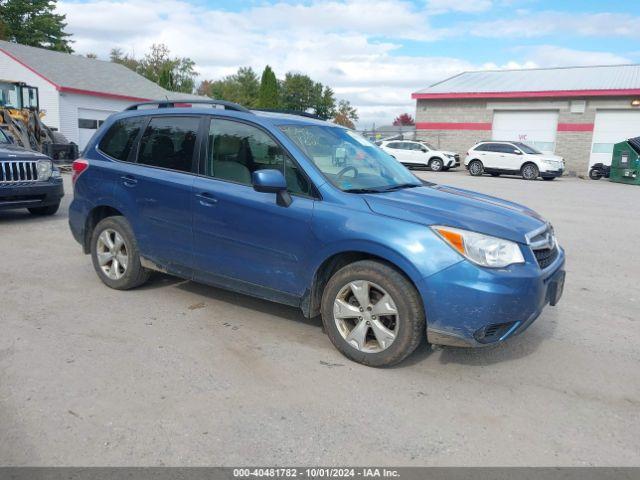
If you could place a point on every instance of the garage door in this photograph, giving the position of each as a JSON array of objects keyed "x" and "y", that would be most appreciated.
[
  {"x": 88, "y": 122},
  {"x": 534, "y": 128},
  {"x": 611, "y": 127}
]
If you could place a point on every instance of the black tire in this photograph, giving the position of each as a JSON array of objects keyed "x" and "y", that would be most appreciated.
[
  {"x": 476, "y": 168},
  {"x": 495, "y": 174},
  {"x": 410, "y": 329},
  {"x": 135, "y": 274},
  {"x": 45, "y": 211},
  {"x": 436, "y": 164},
  {"x": 445, "y": 169},
  {"x": 594, "y": 175},
  {"x": 548, "y": 179},
  {"x": 529, "y": 171}
]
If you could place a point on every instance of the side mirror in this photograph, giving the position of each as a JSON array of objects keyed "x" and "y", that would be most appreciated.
[
  {"x": 272, "y": 181},
  {"x": 424, "y": 149},
  {"x": 517, "y": 152}
]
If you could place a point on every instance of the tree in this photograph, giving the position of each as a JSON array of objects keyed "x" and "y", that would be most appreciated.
[
  {"x": 346, "y": 115},
  {"x": 34, "y": 23},
  {"x": 297, "y": 92},
  {"x": 173, "y": 73},
  {"x": 403, "y": 120},
  {"x": 243, "y": 87},
  {"x": 325, "y": 104},
  {"x": 268, "y": 94}
]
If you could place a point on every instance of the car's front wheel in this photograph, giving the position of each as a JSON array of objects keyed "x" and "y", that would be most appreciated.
[
  {"x": 476, "y": 168},
  {"x": 115, "y": 254},
  {"x": 373, "y": 313},
  {"x": 529, "y": 171},
  {"x": 436, "y": 164}
]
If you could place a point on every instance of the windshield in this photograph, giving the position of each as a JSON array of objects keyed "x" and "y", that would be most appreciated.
[
  {"x": 428, "y": 145},
  {"x": 527, "y": 148},
  {"x": 348, "y": 160},
  {"x": 3, "y": 138}
]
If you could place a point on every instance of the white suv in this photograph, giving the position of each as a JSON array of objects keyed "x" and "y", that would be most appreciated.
[
  {"x": 420, "y": 154},
  {"x": 512, "y": 158}
]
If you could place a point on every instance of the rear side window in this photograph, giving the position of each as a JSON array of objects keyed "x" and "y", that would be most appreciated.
[
  {"x": 120, "y": 138},
  {"x": 394, "y": 145},
  {"x": 169, "y": 142}
]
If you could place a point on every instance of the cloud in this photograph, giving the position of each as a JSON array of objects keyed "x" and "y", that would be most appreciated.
[
  {"x": 464, "y": 6},
  {"x": 354, "y": 45},
  {"x": 554, "y": 56},
  {"x": 526, "y": 24}
]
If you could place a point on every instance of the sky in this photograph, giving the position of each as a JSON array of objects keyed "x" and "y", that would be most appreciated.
[{"x": 374, "y": 53}]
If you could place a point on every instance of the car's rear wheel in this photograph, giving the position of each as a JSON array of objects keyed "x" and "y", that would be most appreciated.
[
  {"x": 476, "y": 168},
  {"x": 373, "y": 313},
  {"x": 548, "y": 179},
  {"x": 529, "y": 171},
  {"x": 436, "y": 164},
  {"x": 115, "y": 254},
  {"x": 45, "y": 211}
]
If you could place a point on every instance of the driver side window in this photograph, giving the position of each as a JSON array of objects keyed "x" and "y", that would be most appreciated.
[{"x": 236, "y": 150}]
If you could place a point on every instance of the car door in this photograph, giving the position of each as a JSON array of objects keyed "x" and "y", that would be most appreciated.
[
  {"x": 160, "y": 183},
  {"x": 489, "y": 155},
  {"x": 243, "y": 238},
  {"x": 397, "y": 150},
  {"x": 507, "y": 158}
]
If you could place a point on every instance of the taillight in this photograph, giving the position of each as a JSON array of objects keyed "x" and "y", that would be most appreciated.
[{"x": 79, "y": 166}]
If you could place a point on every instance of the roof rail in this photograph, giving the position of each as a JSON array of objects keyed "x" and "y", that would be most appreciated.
[
  {"x": 174, "y": 103},
  {"x": 300, "y": 113}
]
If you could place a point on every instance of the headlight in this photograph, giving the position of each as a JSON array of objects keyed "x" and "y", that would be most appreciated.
[
  {"x": 44, "y": 167},
  {"x": 481, "y": 249},
  {"x": 449, "y": 156}
]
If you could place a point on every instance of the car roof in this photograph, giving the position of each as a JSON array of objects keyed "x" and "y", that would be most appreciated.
[{"x": 255, "y": 116}]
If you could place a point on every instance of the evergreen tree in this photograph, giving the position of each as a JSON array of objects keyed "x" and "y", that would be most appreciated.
[
  {"x": 34, "y": 23},
  {"x": 268, "y": 95}
]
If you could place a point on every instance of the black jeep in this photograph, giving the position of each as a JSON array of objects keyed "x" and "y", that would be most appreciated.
[{"x": 28, "y": 179}]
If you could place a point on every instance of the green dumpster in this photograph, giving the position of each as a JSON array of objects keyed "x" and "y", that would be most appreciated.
[{"x": 625, "y": 164}]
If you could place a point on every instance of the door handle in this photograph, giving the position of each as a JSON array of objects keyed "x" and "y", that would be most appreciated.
[
  {"x": 206, "y": 199},
  {"x": 129, "y": 181}
]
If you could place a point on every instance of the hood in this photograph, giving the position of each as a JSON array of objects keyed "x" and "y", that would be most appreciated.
[
  {"x": 15, "y": 152},
  {"x": 454, "y": 207}
]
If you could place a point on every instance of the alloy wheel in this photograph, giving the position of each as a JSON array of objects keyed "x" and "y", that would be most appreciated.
[
  {"x": 112, "y": 254},
  {"x": 529, "y": 172},
  {"x": 436, "y": 165},
  {"x": 366, "y": 316},
  {"x": 475, "y": 168}
]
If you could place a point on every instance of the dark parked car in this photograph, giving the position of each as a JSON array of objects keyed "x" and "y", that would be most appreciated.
[
  {"x": 28, "y": 179},
  {"x": 310, "y": 214}
]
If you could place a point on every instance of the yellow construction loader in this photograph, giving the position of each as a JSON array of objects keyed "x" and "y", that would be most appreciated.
[{"x": 21, "y": 119}]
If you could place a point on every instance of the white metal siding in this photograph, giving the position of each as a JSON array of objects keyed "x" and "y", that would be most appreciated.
[
  {"x": 71, "y": 103},
  {"x": 537, "y": 128},
  {"x": 16, "y": 72},
  {"x": 611, "y": 127}
]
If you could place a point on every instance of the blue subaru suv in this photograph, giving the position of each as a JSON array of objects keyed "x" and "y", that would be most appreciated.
[{"x": 310, "y": 214}]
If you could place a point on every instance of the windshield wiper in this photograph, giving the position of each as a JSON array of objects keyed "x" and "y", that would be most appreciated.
[
  {"x": 401, "y": 186},
  {"x": 363, "y": 190}
]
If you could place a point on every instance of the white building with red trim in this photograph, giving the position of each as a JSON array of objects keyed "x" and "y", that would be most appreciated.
[
  {"x": 77, "y": 93},
  {"x": 576, "y": 112}
]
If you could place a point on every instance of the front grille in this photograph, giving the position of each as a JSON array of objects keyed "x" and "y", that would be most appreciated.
[
  {"x": 18, "y": 171},
  {"x": 546, "y": 256},
  {"x": 544, "y": 246}
]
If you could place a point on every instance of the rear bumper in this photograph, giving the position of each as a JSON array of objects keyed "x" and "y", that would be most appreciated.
[
  {"x": 469, "y": 306},
  {"x": 31, "y": 195}
]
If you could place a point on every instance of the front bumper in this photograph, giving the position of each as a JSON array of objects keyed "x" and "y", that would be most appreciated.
[
  {"x": 552, "y": 173},
  {"x": 31, "y": 194},
  {"x": 452, "y": 162},
  {"x": 469, "y": 306}
]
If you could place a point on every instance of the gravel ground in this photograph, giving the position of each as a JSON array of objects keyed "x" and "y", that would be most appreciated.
[{"x": 177, "y": 373}]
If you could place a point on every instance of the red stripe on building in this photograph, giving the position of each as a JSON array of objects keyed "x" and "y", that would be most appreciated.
[
  {"x": 575, "y": 127},
  {"x": 547, "y": 94},
  {"x": 453, "y": 126}
]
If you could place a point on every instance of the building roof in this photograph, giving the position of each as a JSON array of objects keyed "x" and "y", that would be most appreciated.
[
  {"x": 605, "y": 80},
  {"x": 78, "y": 74}
]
